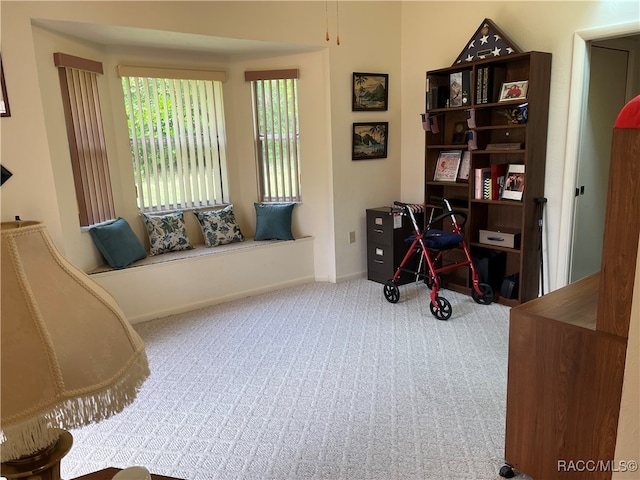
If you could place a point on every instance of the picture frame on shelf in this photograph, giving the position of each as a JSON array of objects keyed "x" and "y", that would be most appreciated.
[
  {"x": 369, "y": 140},
  {"x": 455, "y": 89},
  {"x": 514, "y": 183},
  {"x": 4, "y": 100},
  {"x": 465, "y": 167},
  {"x": 447, "y": 166},
  {"x": 370, "y": 92},
  {"x": 513, "y": 91}
]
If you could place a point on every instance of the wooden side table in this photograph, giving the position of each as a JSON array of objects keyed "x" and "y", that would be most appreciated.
[{"x": 108, "y": 473}]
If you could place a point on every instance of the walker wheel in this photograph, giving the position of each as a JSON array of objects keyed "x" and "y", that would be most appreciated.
[
  {"x": 391, "y": 291},
  {"x": 507, "y": 472},
  {"x": 487, "y": 294},
  {"x": 443, "y": 311}
]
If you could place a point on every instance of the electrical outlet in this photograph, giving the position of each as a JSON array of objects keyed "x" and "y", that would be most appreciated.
[{"x": 352, "y": 237}]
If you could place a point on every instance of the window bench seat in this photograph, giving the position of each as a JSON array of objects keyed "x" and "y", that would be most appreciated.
[
  {"x": 197, "y": 251},
  {"x": 175, "y": 282}
]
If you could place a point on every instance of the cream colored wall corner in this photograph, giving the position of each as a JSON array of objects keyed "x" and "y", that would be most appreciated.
[{"x": 628, "y": 442}]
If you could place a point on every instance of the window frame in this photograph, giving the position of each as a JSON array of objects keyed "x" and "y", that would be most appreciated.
[
  {"x": 196, "y": 151},
  {"x": 279, "y": 177}
]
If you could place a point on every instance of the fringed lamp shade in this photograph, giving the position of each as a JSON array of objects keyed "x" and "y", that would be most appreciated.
[{"x": 69, "y": 356}]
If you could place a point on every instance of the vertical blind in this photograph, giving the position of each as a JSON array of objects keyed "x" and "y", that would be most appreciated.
[
  {"x": 275, "y": 97},
  {"x": 83, "y": 115},
  {"x": 177, "y": 136}
]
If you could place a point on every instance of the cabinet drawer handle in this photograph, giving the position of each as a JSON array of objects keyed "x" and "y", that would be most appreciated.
[
  {"x": 496, "y": 239},
  {"x": 378, "y": 230},
  {"x": 379, "y": 261}
]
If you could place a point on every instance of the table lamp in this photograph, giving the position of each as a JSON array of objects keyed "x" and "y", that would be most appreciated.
[{"x": 69, "y": 357}]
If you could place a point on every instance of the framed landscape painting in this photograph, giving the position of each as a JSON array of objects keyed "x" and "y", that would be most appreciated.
[
  {"x": 370, "y": 92},
  {"x": 369, "y": 140}
]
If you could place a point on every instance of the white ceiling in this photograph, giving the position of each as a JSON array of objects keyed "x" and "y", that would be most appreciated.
[{"x": 118, "y": 36}]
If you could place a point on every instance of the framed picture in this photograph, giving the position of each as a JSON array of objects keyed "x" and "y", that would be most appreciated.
[
  {"x": 513, "y": 91},
  {"x": 465, "y": 167},
  {"x": 4, "y": 100},
  {"x": 514, "y": 183},
  {"x": 455, "y": 89},
  {"x": 447, "y": 166},
  {"x": 369, "y": 140},
  {"x": 370, "y": 92}
]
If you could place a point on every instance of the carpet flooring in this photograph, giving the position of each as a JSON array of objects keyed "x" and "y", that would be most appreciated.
[{"x": 321, "y": 381}]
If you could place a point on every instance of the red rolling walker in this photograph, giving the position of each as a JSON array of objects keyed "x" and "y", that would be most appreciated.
[{"x": 431, "y": 244}]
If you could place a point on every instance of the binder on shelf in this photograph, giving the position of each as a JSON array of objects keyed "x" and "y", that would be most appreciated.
[
  {"x": 466, "y": 88},
  {"x": 497, "y": 76},
  {"x": 498, "y": 176},
  {"x": 479, "y": 85},
  {"x": 485, "y": 81},
  {"x": 480, "y": 174},
  {"x": 488, "y": 83},
  {"x": 486, "y": 187}
]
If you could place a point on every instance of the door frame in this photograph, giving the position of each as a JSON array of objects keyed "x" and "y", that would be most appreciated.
[{"x": 578, "y": 92}]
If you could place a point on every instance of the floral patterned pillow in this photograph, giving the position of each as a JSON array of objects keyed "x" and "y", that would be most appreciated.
[
  {"x": 219, "y": 226},
  {"x": 167, "y": 233}
]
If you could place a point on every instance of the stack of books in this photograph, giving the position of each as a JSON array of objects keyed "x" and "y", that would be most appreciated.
[
  {"x": 489, "y": 182},
  {"x": 489, "y": 81}
]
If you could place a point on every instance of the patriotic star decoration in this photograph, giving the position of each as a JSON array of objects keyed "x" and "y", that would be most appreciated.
[{"x": 487, "y": 42}]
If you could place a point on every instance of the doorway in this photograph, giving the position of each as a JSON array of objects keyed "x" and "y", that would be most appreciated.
[{"x": 612, "y": 80}]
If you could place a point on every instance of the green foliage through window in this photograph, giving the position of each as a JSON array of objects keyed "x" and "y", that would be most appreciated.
[{"x": 176, "y": 132}]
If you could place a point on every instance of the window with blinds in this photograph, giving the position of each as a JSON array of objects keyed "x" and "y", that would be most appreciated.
[
  {"x": 177, "y": 137},
  {"x": 83, "y": 116},
  {"x": 277, "y": 134}
]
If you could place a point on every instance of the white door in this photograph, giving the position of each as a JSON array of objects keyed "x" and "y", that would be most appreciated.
[{"x": 607, "y": 95}]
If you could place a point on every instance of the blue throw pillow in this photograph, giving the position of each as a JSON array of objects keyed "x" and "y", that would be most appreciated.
[
  {"x": 117, "y": 243},
  {"x": 273, "y": 221}
]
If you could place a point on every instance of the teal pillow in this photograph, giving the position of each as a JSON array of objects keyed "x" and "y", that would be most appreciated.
[
  {"x": 117, "y": 243},
  {"x": 167, "y": 233},
  {"x": 273, "y": 221}
]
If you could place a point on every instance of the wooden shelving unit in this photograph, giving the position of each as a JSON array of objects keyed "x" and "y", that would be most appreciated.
[{"x": 493, "y": 126}]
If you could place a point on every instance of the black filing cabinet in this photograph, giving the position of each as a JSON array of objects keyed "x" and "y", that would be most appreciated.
[{"x": 386, "y": 232}]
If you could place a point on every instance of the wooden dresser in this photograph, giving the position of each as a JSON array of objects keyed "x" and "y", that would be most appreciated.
[
  {"x": 567, "y": 349},
  {"x": 564, "y": 384}
]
